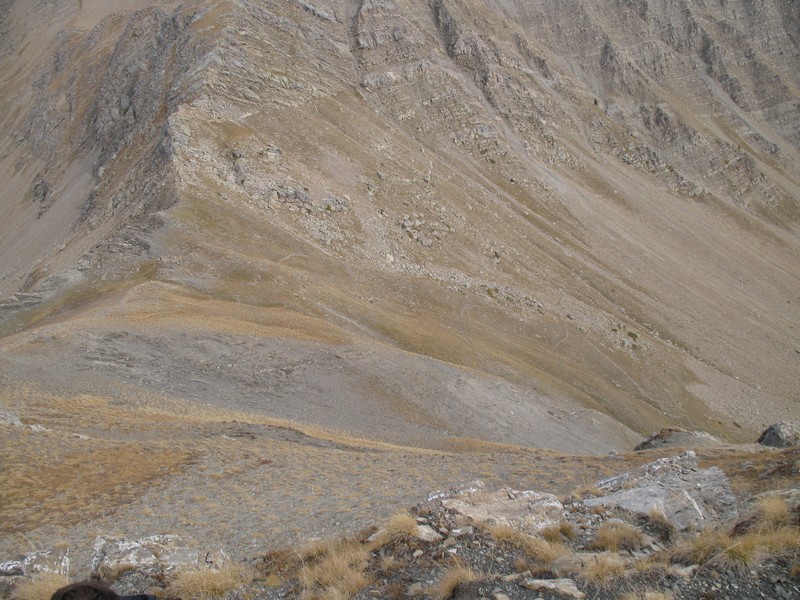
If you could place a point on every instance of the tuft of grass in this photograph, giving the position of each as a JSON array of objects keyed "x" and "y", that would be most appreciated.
[
  {"x": 602, "y": 571},
  {"x": 338, "y": 573},
  {"x": 537, "y": 549},
  {"x": 399, "y": 527},
  {"x": 40, "y": 587},
  {"x": 206, "y": 584},
  {"x": 450, "y": 581},
  {"x": 616, "y": 536},
  {"x": 741, "y": 555},
  {"x": 772, "y": 513},
  {"x": 741, "y": 552},
  {"x": 700, "y": 549}
]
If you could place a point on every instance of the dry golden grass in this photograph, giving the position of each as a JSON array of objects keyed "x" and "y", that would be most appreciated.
[
  {"x": 450, "y": 580},
  {"x": 41, "y": 587},
  {"x": 616, "y": 536},
  {"x": 206, "y": 584},
  {"x": 700, "y": 549},
  {"x": 738, "y": 553},
  {"x": 338, "y": 572},
  {"x": 537, "y": 549},
  {"x": 772, "y": 512},
  {"x": 602, "y": 571}
]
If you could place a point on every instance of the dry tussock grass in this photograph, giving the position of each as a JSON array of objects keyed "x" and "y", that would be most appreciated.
[
  {"x": 772, "y": 512},
  {"x": 450, "y": 580},
  {"x": 206, "y": 584},
  {"x": 602, "y": 571},
  {"x": 40, "y": 587},
  {"x": 740, "y": 553},
  {"x": 616, "y": 536},
  {"x": 339, "y": 572}
]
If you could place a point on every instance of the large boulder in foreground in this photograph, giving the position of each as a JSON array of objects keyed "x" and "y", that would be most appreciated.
[
  {"x": 690, "y": 498},
  {"x": 781, "y": 435}
]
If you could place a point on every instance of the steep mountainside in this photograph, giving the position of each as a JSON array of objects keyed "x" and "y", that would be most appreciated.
[{"x": 558, "y": 224}]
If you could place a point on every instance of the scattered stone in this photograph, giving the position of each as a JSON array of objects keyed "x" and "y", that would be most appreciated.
[
  {"x": 10, "y": 420},
  {"x": 781, "y": 435},
  {"x": 427, "y": 534},
  {"x": 565, "y": 588},
  {"x": 415, "y": 589}
]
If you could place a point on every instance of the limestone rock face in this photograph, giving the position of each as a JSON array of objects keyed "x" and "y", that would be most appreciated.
[
  {"x": 157, "y": 554},
  {"x": 781, "y": 435},
  {"x": 689, "y": 497},
  {"x": 50, "y": 561},
  {"x": 525, "y": 511}
]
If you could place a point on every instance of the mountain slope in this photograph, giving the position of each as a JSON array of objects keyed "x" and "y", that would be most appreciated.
[{"x": 498, "y": 220}]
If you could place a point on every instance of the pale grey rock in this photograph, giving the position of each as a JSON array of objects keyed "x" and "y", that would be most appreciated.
[
  {"x": 428, "y": 534},
  {"x": 55, "y": 561},
  {"x": 526, "y": 511},
  {"x": 690, "y": 498},
  {"x": 157, "y": 553},
  {"x": 569, "y": 565},
  {"x": 781, "y": 435},
  {"x": 563, "y": 588},
  {"x": 10, "y": 420}
]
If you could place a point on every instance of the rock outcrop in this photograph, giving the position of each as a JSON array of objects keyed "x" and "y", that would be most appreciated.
[
  {"x": 689, "y": 497},
  {"x": 781, "y": 435}
]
